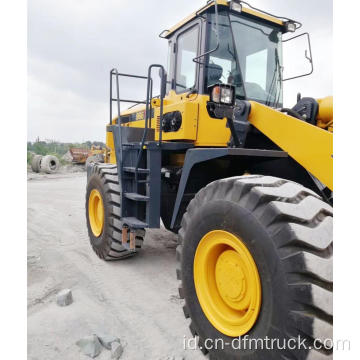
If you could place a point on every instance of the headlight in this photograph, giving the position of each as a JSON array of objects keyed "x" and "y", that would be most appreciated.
[
  {"x": 227, "y": 95},
  {"x": 290, "y": 26},
  {"x": 223, "y": 94},
  {"x": 235, "y": 6}
]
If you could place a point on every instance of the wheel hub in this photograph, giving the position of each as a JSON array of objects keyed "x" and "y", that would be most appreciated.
[
  {"x": 96, "y": 212},
  {"x": 230, "y": 279},
  {"x": 227, "y": 283}
]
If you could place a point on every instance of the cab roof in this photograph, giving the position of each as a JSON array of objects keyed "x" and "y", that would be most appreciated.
[{"x": 210, "y": 4}]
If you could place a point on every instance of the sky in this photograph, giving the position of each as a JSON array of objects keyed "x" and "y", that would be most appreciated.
[{"x": 73, "y": 45}]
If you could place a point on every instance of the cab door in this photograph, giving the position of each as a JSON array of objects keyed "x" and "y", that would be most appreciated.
[{"x": 181, "y": 108}]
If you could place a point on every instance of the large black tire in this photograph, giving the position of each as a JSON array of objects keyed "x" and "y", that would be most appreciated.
[
  {"x": 288, "y": 231},
  {"x": 108, "y": 245},
  {"x": 49, "y": 164},
  {"x": 36, "y": 162}
]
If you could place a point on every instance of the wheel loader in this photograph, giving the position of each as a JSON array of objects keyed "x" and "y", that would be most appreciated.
[{"x": 245, "y": 183}]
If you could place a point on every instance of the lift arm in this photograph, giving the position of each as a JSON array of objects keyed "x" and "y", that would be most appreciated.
[{"x": 309, "y": 145}]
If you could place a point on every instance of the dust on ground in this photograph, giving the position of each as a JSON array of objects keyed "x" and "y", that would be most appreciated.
[{"x": 135, "y": 299}]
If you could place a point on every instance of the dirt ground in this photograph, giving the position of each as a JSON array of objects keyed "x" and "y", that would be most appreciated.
[{"x": 135, "y": 299}]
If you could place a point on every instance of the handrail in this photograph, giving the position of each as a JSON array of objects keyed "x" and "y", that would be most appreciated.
[
  {"x": 148, "y": 107},
  {"x": 133, "y": 76},
  {"x": 117, "y": 74},
  {"x": 131, "y": 101},
  {"x": 148, "y": 110},
  {"x": 112, "y": 72}
]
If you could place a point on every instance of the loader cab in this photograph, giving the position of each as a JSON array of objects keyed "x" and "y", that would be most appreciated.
[{"x": 225, "y": 44}]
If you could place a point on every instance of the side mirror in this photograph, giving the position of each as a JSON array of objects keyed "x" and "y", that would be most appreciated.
[{"x": 297, "y": 57}]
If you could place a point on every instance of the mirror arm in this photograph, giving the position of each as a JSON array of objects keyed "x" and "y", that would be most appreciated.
[
  {"x": 306, "y": 57},
  {"x": 215, "y": 28}
]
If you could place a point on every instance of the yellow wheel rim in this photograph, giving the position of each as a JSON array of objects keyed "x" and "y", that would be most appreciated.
[
  {"x": 227, "y": 283},
  {"x": 96, "y": 212}
]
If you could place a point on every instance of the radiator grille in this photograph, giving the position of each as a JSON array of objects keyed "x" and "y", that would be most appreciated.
[{"x": 158, "y": 123}]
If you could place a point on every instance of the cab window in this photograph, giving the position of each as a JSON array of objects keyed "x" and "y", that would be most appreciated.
[
  {"x": 187, "y": 45},
  {"x": 170, "y": 66}
]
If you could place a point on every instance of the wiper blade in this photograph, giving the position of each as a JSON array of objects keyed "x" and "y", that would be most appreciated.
[{"x": 276, "y": 78}]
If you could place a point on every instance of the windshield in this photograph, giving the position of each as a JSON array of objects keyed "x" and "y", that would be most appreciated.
[{"x": 249, "y": 57}]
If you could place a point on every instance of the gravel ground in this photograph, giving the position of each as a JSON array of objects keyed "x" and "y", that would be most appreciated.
[
  {"x": 64, "y": 171},
  {"x": 134, "y": 299}
]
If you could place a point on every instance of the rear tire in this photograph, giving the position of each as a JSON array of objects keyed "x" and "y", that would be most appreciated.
[
  {"x": 36, "y": 162},
  {"x": 288, "y": 231},
  {"x": 49, "y": 164},
  {"x": 108, "y": 244}
]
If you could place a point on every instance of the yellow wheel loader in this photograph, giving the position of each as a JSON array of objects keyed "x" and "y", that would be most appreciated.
[{"x": 245, "y": 182}]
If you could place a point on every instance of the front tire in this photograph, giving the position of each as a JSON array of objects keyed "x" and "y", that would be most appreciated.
[
  {"x": 287, "y": 229},
  {"x": 103, "y": 214}
]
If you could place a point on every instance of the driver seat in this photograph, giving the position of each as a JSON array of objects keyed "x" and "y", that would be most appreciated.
[{"x": 214, "y": 74}]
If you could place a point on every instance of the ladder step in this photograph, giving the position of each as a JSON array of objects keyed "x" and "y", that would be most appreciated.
[
  {"x": 136, "y": 197},
  {"x": 132, "y": 145},
  {"x": 133, "y": 223},
  {"x": 132, "y": 170}
]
